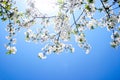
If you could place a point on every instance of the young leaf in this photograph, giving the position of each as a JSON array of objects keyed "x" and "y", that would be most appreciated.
[
  {"x": 90, "y": 1},
  {"x": 3, "y": 19},
  {"x": 88, "y": 7}
]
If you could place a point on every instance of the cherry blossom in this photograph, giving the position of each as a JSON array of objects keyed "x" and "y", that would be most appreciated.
[{"x": 73, "y": 18}]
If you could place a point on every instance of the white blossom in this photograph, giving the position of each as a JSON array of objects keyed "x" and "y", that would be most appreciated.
[
  {"x": 71, "y": 21},
  {"x": 42, "y": 56},
  {"x": 92, "y": 24},
  {"x": 119, "y": 19},
  {"x": 114, "y": 44},
  {"x": 80, "y": 38},
  {"x": 14, "y": 41},
  {"x": 11, "y": 50}
]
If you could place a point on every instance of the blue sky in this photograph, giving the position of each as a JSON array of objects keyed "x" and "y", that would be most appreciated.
[{"x": 103, "y": 62}]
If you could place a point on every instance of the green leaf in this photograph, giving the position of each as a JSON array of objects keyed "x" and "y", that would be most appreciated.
[
  {"x": 8, "y": 7},
  {"x": 60, "y": 1},
  {"x": 75, "y": 31},
  {"x": 119, "y": 28},
  {"x": 78, "y": 25},
  {"x": 11, "y": 14},
  {"x": 4, "y": 2},
  {"x": 114, "y": 46},
  {"x": 90, "y": 1},
  {"x": 88, "y": 7},
  {"x": 105, "y": 0},
  {"x": 9, "y": 52},
  {"x": 0, "y": 13},
  {"x": 3, "y": 19},
  {"x": 18, "y": 21}
]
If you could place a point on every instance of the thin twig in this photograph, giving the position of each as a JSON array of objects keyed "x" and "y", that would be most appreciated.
[
  {"x": 46, "y": 17},
  {"x": 78, "y": 17},
  {"x": 105, "y": 9},
  {"x": 114, "y": 8}
]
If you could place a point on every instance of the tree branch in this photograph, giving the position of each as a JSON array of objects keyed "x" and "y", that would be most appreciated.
[
  {"x": 78, "y": 17},
  {"x": 105, "y": 9},
  {"x": 46, "y": 17}
]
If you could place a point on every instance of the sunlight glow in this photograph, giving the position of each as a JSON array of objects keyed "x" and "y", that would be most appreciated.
[{"x": 48, "y": 7}]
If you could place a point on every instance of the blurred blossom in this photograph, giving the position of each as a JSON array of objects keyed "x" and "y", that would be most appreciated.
[{"x": 42, "y": 56}]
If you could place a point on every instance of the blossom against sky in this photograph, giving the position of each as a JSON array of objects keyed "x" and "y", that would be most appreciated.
[{"x": 102, "y": 62}]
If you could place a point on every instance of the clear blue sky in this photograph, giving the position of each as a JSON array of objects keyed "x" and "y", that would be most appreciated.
[{"x": 103, "y": 62}]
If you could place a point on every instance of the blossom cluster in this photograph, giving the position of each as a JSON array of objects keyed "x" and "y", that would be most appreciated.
[{"x": 72, "y": 20}]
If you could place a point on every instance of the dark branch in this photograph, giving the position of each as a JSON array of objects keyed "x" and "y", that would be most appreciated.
[{"x": 106, "y": 9}]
